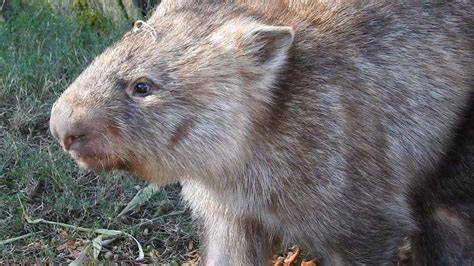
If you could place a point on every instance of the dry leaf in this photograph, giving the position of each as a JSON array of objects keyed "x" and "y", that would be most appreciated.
[
  {"x": 292, "y": 256},
  {"x": 278, "y": 261},
  {"x": 71, "y": 248},
  {"x": 141, "y": 197},
  {"x": 97, "y": 246},
  {"x": 193, "y": 258},
  {"x": 308, "y": 263},
  {"x": 81, "y": 257}
]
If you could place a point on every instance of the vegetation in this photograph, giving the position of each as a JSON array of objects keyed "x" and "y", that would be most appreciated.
[{"x": 44, "y": 45}]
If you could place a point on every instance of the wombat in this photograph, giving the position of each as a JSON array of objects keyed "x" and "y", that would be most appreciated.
[{"x": 341, "y": 126}]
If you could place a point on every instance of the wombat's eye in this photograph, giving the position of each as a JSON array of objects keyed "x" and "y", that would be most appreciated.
[{"x": 141, "y": 89}]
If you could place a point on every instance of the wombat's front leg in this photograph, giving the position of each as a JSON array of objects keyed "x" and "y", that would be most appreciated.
[{"x": 235, "y": 241}]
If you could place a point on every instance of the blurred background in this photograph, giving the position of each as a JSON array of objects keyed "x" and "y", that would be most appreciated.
[{"x": 50, "y": 210}]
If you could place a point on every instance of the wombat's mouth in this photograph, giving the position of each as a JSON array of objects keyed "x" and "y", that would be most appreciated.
[{"x": 97, "y": 162}]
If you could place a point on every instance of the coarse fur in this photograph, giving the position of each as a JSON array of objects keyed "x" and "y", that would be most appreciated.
[{"x": 340, "y": 126}]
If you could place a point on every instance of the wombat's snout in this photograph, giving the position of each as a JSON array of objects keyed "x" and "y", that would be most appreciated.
[
  {"x": 82, "y": 132},
  {"x": 69, "y": 129}
]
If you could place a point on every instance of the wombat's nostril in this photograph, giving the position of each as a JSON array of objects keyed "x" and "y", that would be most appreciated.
[
  {"x": 68, "y": 130},
  {"x": 68, "y": 140}
]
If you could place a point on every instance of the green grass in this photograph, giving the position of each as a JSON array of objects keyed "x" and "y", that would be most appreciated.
[{"x": 42, "y": 49}]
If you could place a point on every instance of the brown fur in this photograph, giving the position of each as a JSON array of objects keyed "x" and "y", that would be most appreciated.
[{"x": 312, "y": 122}]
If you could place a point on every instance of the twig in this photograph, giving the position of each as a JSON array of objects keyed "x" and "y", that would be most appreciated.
[
  {"x": 141, "y": 254},
  {"x": 161, "y": 217},
  {"x": 142, "y": 25},
  {"x": 13, "y": 239}
]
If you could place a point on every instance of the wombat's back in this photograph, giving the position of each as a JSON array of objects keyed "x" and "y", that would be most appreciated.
[{"x": 395, "y": 77}]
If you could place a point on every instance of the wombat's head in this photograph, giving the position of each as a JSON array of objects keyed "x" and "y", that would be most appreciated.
[{"x": 179, "y": 95}]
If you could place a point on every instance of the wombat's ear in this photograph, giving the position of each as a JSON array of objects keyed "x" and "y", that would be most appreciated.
[{"x": 268, "y": 45}]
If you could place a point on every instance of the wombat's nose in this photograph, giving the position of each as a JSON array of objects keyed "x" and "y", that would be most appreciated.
[
  {"x": 67, "y": 134},
  {"x": 67, "y": 140},
  {"x": 65, "y": 129}
]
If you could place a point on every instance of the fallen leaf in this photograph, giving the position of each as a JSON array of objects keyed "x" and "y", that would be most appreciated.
[
  {"x": 81, "y": 257},
  {"x": 141, "y": 197},
  {"x": 71, "y": 248},
  {"x": 97, "y": 246},
  {"x": 278, "y": 261},
  {"x": 193, "y": 258},
  {"x": 308, "y": 263},
  {"x": 292, "y": 256}
]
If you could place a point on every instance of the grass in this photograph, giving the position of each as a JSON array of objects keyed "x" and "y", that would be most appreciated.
[{"x": 43, "y": 47}]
